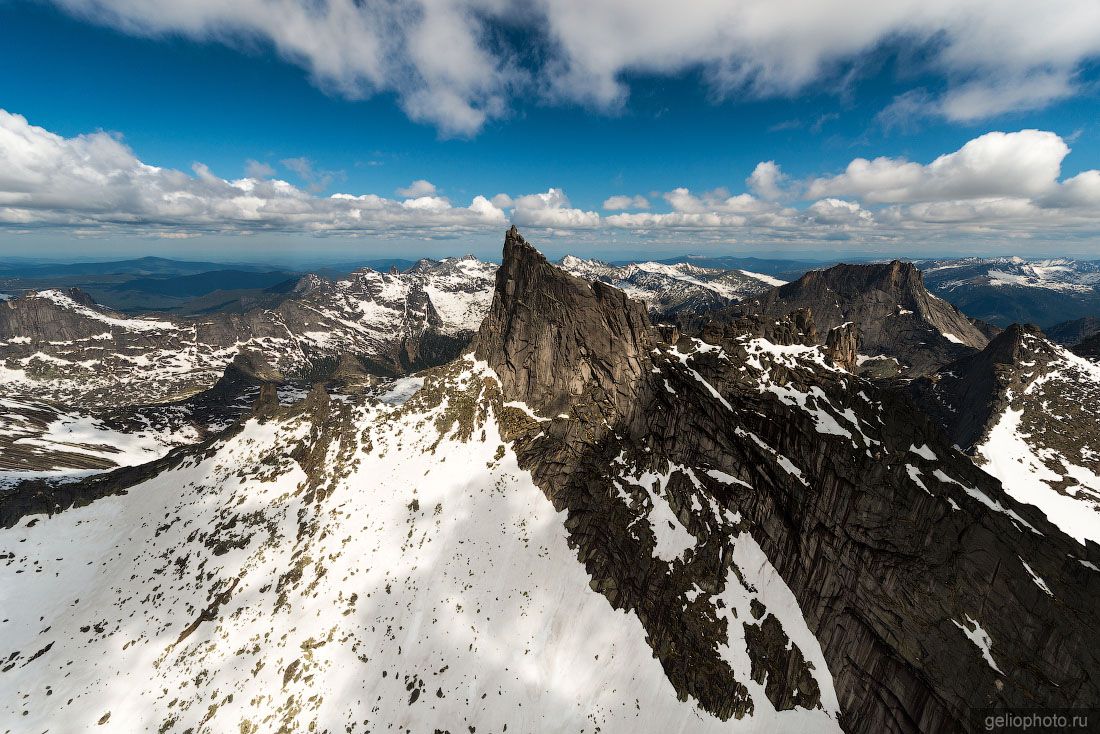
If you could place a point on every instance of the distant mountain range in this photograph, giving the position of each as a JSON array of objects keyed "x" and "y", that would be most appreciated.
[
  {"x": 163, "y": 266},
  {"x": 162, "y": 285},
  {"x": 671, "y": 288},
  {"x": 786, "y": 270},
  {"x": 1009, "y": 290},
  {"x": 998, "y": 291},
  {"x": 147, "y": 266}
]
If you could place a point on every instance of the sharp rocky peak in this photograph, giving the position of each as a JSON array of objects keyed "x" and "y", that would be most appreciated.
[
  {"x": 555, "y": 339},
  {"x": 1013, "y": 343},
  {"x": 310, "y": 283},
  {"x": 968, "y": 396},
  {"x": 81, "y": 297}
]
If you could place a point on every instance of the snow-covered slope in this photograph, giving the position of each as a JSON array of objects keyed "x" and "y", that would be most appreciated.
[
  {"x": 1026, "y": 409},
  {"x": 355, "y": 566},
  {"x": 674, "y": 288},
  {"x": 37, "y": 440},
  {"x": 1045, "y": 444},
  {"x": 41, "y": 441},
  {"x": 460, "y": 289}
]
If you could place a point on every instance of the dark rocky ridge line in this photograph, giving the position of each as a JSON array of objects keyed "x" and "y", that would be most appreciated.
[
  {"x": 883, "y": 569},
  {"x": 1070, "y": 333},
  {"x": 1025, "y": 408},
  {"x": 972, "y": 392},
  {"x": 1088, "y": 347}
]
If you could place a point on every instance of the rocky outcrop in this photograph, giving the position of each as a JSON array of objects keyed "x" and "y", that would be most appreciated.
[
  {"x": 904, "y": 558},
  {"x": 36, "y": 318},
  {"x": 796, "y": 327},
  {"x": 1024, "y": 408},
  {"x": 893, "y": 313},
  {"x": 842, "y": 346}
]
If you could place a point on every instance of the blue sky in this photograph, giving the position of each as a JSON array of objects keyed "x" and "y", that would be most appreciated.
[{"x": 173, "y": 97}]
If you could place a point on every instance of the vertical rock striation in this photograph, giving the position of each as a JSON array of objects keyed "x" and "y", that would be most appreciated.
[{"x": 554, "y": 338}]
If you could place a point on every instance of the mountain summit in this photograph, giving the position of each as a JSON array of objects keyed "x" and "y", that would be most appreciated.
[
  {"x": 895, "y": 315},
  {"x": 553, "y": 338},
  {"x": 1024, "y": 407}
]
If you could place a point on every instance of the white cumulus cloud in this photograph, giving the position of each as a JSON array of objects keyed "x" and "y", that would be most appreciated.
[
  {"x": 96, "y": 180},
  {"x": 551, "y": 209},
  {"x": 1024, "y": 163},
  {"x": 1000, "y": 185},
  {"x": 620, "y": 203},
  {"x": 767, "y": 180},
  {"x": 451, "y": 65},
  {"x": 838, "y": 211},
  {"x": 417, "y": 188}
]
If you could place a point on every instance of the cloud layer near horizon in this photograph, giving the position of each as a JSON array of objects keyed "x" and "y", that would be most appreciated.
[
  {"x": 998, "y": 185},
  {"x": 451, "y": 64}
]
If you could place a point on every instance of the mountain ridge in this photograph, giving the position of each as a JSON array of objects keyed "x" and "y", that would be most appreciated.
[
  {"x": 681, "y": 432},
  {"x": 895, "y": 315}
]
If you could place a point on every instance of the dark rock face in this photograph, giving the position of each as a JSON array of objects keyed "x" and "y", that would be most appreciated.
[
  {"x": 897, "y": 560},
  {"x": 39, "y": 319},
  {"x": 1025, "y": 408},
  {"x": 796, "y": 327},
  {"x": 972, "y": 392},
  {"x": 842, "y": 346},
  {"x": 1089, "y": 347},
  {"x": 246, "y": 375},
  {"x": 554, "y": 338},
  {"x": 1022, "y": 369},
  {"x": 893, "y": 313}
]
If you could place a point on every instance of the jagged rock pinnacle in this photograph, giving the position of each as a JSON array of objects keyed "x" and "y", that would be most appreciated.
[
  {"x": 972, "y": 392},
  {"x": 552, "y": 337},
  {"x": 842, "y": 346}
]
